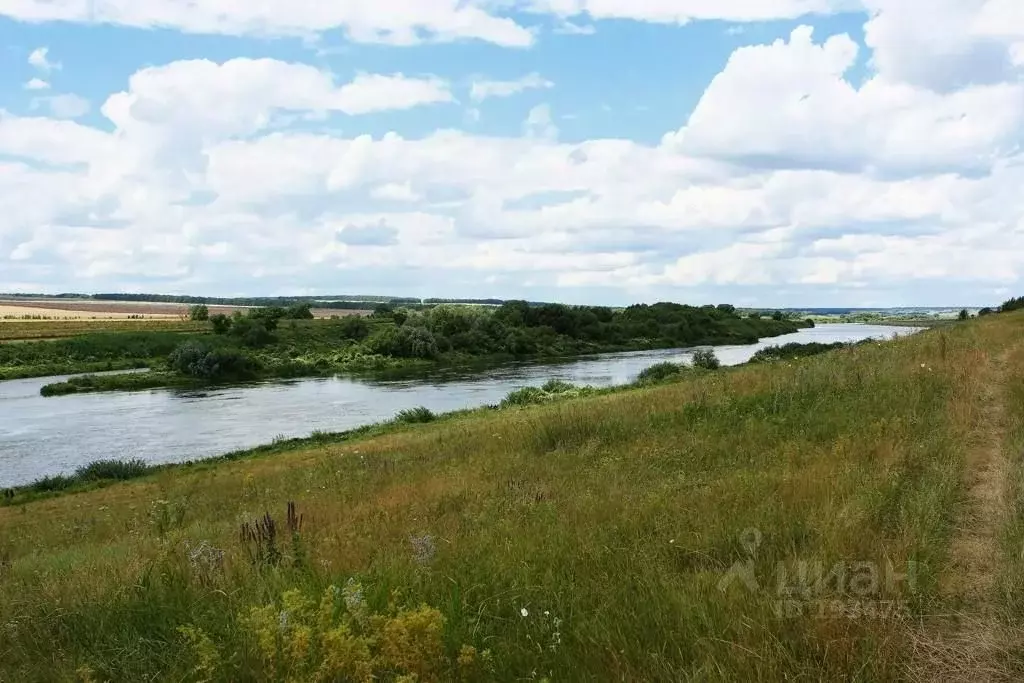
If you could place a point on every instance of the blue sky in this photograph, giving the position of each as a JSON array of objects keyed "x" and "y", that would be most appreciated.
[{"x": 762, "y": 152}]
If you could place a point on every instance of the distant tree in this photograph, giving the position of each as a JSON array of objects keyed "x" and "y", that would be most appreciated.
[
  {"x": 985, "y": 311},
  {"x": 300, "y": 311},
  {"x": 964, "y": 315},
  {"x": 754, "y": 315},
  {"x": 199, "y": 313},
  {"x": 354, "y": 327},
  {"x": 778, "y": 315},
  {"x": 221, "y": 323}
]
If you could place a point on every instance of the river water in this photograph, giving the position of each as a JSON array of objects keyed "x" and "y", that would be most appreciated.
[{"x": 47, "y": 436}]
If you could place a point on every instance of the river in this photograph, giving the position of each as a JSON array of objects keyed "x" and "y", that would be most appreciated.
[{"x": 47, "y": 436}]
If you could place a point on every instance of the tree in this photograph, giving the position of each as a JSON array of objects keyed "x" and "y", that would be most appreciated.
[
  {"x": 705, "y": 359},
  {"x": 221, "y": 323},
  {"x": 985, "y": 311},
  {"x": 354, "y": 327},
  {"x": 964, "y": 315},
  {"x": 199, "y": 313}
]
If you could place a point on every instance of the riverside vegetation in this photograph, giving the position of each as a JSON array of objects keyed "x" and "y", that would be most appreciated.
[
  {"x": 280, "y": 342},
  {"x": 581, "y": 538}
]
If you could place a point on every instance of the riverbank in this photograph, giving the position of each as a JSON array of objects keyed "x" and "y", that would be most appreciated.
[
  {"x": 574, "y": 540},
  {"x": 275, "y": 343},
  {"x": 190, "y": 423}
]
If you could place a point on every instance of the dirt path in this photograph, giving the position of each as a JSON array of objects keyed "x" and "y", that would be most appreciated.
[{"x": 968, "y": 644}]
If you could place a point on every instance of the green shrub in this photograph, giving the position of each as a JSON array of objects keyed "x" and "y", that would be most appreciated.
[
  {"x": 557, "y": 386},
  {"x": 527, "y": 396},
  {"x": 199, "y": 313},
  {"x": 415, "y": 415},
  {"x": 119, "y": 470},
  {"x": 659, "y": 372},
  {"x": 196, "y": 360},
  {"x": 793, "y": 351},
  {"x": 705, "y": 359}
]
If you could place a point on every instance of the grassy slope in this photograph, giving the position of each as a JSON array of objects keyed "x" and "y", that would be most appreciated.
[{"x": 617, "y": 514}]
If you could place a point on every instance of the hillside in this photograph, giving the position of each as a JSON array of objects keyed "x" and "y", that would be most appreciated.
[{"x": 649, "y": 534}]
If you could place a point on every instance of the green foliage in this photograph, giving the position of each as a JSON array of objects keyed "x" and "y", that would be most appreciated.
[
  {"x": 408, "y": 341},
  {"x": 199, "y": 312},
  {"x": 794, "y": 350},
  {"x": 1013, "y": 304},
  {"x": 659, "y": 372},
  {"x": 353, "y": 327},
  {"x": 221, "y": 323},
  {"x": 418, "y": 415},
  {"x": 551, "y": 390},
  {"x": 197, "y": 360},
  {"x": 964, "y": 315},
  {"x": 117, "y": 470},
  {"x": 705, "y": 359},
  {"x": 985, "y": 311}
]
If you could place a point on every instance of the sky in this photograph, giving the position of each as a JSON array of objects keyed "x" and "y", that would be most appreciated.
[{"x": 755, "y": 152}]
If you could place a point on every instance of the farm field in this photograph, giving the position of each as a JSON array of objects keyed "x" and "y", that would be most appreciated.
[
  {"x": 849, "y": 516},
  {"x": 82, "y": 309}
]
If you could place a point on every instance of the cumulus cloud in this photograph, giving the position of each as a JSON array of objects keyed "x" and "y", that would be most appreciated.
[
  {"x": 67, "y": 106},
  {"x": 39, "y": 58},
  {"x": 400, "y": 22},
  {"x": 810, "y": 115},
  {"x": 484, "y": 89},
  {"x": 797, "y": 171},
  {"x": 37, "y": 84}
]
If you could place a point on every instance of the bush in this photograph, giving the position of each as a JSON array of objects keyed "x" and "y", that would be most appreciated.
[
  {"x": 221, "y": 323},
  {"x": 199, "y": 313},
  {"x": 659, "y": 373},
  {"x": 195, "y": 360},
  {"x": 964, "y": 315},
  {"x": 408, "y": 341},
  {"x": 705, "y": 359},
  {"x": 418, "y": 415},
  {"x": 527, "y": 396},
  {"x": 557, "y": 386},
  {"x": 253, "y": 330},
  {"x": 119, "y": 470},
  {"x": 793, "y": 351},
  {"x": 354, "y": 327}
]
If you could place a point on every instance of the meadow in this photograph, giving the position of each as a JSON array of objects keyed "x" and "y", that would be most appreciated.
[{"x": 854, "y": 515}]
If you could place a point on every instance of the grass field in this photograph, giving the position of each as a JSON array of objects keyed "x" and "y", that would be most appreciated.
[
  {"x": 27, "y": 330},
  {"x": 852, "y": 516}
]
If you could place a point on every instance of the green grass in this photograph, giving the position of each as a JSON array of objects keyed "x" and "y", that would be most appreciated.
[{"x": 579, "y": 539}]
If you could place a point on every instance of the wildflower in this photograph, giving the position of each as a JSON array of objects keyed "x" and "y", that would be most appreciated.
[
  {"x": 423, "y": 548},
  {"x": 354, "y": 600},
  {"x": 671, "y": 541},
  {"x": 282, "y": 621},
  {"x": 524, "y": 612}
]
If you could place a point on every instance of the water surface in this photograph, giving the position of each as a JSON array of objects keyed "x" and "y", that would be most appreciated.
[{"x": 46, "y": 436}]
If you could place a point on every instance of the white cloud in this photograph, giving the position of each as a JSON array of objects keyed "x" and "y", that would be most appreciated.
[
  {"x": 396, "y": 192},
  {"x": 683, "y": 11},
  {"x": 67, "y": 106},
  {"x": 39, "y": 58},
  {"x": 242, "y": 95},
  {"x": 809, "y": 115},
  {"x": 790, "y": 173},
  {"x": 539, "y": 123},
  {"x": 482, "y": 90},
  {"x": 37, "y": 84},
  {"x": 401, "y": 22}
]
